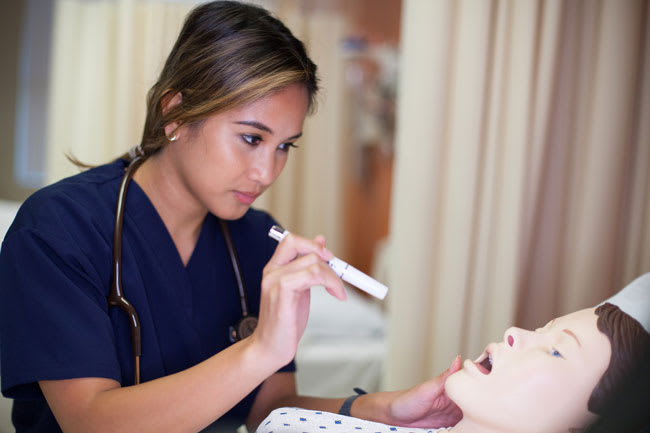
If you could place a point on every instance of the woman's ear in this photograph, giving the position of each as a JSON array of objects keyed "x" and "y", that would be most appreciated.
[{"x": 169, "y": 101}]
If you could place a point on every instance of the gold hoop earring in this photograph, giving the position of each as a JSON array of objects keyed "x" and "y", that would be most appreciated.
[{"x": 173, "y": 137}]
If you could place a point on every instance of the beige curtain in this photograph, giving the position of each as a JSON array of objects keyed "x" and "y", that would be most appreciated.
[
  {"x": 107, "y": 54},
  {"x": 521, "y": 185}
]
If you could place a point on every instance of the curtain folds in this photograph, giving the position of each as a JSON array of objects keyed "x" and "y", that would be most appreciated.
[
  {"x": 521, "y": 187},
  {"x": 106, "y": 54}
]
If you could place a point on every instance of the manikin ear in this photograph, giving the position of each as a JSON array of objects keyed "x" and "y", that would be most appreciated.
[{"x": 169, "y": 101}]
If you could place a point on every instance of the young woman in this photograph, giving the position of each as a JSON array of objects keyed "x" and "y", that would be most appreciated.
[
  {"x": 556, "y": 379},
  {"x": 144, "y": 294}
]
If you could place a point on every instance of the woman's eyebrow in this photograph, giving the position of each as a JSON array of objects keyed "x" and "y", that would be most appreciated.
[
  {"x": 255, "y": 124},
  {"x": 568, "y": 331},
  {"x": 263, "y": 127}
]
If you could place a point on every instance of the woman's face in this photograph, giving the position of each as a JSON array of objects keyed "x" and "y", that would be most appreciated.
[
  {"x": 234, "y": 156},
  {"x": 538, "y": 381}
]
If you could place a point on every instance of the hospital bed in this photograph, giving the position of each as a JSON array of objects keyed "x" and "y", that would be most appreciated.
[{"x": 343, "y": 346}]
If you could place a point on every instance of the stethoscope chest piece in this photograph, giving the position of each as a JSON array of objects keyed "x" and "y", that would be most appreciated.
[{"x": 243, "y": 328}]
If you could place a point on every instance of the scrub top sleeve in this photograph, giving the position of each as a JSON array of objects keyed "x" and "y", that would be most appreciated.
[{"x": 53, "y": 317}]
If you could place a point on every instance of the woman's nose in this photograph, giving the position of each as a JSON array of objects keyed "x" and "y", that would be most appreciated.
[{"x": 262, "y": 169}]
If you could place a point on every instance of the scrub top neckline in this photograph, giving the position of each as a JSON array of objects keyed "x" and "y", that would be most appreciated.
[
  {"x": 144, "y": 209},
  {"x": 140, "y": 212}
]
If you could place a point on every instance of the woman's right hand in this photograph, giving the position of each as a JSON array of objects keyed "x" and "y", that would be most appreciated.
[{"x": 297, "y": 264}]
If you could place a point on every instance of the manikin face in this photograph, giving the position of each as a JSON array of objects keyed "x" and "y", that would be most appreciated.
[
  {"x": 234, "y": 156},
  {"x": 538, "y": 381}
]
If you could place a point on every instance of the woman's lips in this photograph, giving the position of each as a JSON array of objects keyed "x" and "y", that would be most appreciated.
[{"x": 246, "y": 198}]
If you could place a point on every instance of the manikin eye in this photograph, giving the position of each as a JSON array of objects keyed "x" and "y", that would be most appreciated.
[{"x": 557, "y": 354}]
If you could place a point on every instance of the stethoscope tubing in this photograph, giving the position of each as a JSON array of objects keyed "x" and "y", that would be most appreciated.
[{"x": 116, "y": 296}]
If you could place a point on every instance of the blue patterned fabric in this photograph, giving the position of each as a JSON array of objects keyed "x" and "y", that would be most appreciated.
[{"x": 296, "y": 420}]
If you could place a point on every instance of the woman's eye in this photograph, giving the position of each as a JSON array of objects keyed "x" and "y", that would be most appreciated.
[
  {"x": 253, "y": 140},
  {"x": 286, "y": 146},
  {"x": 554, "y": 352}
]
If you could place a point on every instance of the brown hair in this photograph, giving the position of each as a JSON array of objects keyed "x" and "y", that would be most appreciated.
[
  {"x": 227, "y": 54},
  {"x": 624, "y": 383}
]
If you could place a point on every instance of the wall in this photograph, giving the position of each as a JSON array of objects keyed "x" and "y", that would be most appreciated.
[{"x": 10, "y": 28}]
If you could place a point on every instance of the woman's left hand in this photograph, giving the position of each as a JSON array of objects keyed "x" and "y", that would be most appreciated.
[
  {"x": 423, "y": 406},
  {"x": 427, "y": 405}
]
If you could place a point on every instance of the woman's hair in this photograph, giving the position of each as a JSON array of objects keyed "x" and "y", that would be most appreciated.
[
  {"x": 621, "y": 395},
  {"x": 227, "y": 54}
]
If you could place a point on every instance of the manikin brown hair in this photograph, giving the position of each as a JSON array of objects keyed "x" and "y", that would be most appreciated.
[{"x": 626, "y": 378}]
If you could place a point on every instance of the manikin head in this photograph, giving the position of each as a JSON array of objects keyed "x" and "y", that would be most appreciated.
[{"x": 558, "y": 378}]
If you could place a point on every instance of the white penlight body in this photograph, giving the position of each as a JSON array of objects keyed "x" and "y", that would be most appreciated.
[{"x": 347, "y": 273}]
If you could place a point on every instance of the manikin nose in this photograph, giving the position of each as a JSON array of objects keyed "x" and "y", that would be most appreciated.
[
  {"x": 518, "y": 338},
  {"x": 510, "y": 335}
]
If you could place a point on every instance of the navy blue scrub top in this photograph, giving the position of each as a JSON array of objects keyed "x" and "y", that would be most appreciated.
[{"x": 55, "y": 274}]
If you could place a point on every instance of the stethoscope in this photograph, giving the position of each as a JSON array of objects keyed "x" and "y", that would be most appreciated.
[{"x": 242, "y": 329}]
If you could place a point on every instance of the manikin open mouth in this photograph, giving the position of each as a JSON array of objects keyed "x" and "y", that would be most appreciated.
[{"x": 485, "y": 365}]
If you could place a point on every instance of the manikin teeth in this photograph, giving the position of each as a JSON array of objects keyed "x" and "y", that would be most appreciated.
[{"x": 486, "y": 364}]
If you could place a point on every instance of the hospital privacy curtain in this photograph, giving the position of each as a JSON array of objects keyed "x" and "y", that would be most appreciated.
[
  {"x": 522, "y": 170},
  {"x": 106, "y": 54}
]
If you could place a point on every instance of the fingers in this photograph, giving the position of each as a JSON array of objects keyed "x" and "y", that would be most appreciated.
[
  {"x": 455, "y": 366},
  {"x": 437, "y": 383},
  {"x": 299, "y": 263},
  {"x": 320, "y": 239},
  {"x": 293, "y": 246},
  {"x": 303, "y": 273},
  {"x": 340, "y": 296}
]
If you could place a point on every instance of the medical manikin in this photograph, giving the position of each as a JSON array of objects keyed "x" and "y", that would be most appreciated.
[{"x": 555, "y": 379}]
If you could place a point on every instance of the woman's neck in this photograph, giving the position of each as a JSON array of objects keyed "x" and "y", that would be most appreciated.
[{"x": 181, "y": 213}]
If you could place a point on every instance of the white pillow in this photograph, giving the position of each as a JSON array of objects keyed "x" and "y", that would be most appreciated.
[{"x": 634, "y": 299}]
